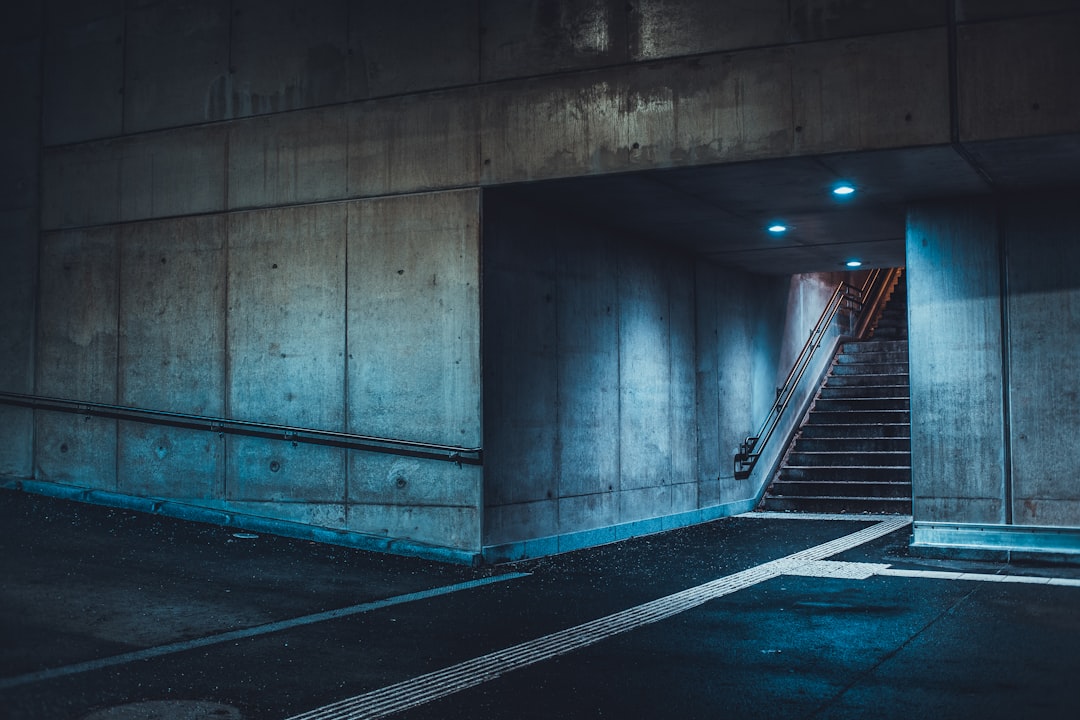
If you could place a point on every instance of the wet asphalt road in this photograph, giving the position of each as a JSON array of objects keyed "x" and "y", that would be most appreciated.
[{"x": 81, "y": 587}]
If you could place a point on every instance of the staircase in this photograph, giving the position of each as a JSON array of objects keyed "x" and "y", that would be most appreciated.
[{"x": 853, "y": 455}]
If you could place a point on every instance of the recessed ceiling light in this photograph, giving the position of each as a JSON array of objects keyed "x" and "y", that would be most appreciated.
[
  {"x": 777, "y": 229},
  {"x": 844, "y": 189},
  {"x": 854, "y": 263}
]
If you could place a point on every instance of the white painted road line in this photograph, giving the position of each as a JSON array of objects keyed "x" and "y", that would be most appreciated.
[
  {"x": 863, "y": 571},
  {"x": 441, "y": 683},
  {"x": 771, "y": 515},
  {"x": 6, "y": 683}
]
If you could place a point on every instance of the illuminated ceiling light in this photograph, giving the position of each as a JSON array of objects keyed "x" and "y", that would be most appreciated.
[
  {"x": 778, "y": 229},
  {"x": 843, "y": 190},
  {"x": 854, "y": 263}
]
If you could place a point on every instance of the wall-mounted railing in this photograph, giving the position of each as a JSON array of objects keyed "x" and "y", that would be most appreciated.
[
  {"x": 863, "y": 303},
  {"x": 222, "y": 426}
]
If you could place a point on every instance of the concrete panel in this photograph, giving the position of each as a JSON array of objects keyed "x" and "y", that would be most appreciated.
[
  {"x": 169, "y": 74},
  {"x": 414, "y": 326},
  {"x": 711, "y": 455},
  {"x": 521, "y": 521},
  {"x": 287, "y": 159},
  {"x": 77, "y": 355},
  {"x": 80, "y": 185},
  {"x": 412, "y": 45},
  {"x": 878, "y": 92},
  {"x": 19, "y": 238},
  {"x": 588, "y": 369},
  {"x": 976, "y": 10},
  {"x": 718, "y": 108},
  {"x": 999, "y": 97},
  {"x": 285, "y": 55},
  {"x": 954, "y": 326},
  {"x": 564, "y": 127},
  {"x": 172, "y": 354},
  {"x": 82, "y": 94},
  {"x": 682, "y": 388},
  {"x": 587, "y": 512},
  {"x": 454, "y": 527},
  {"x": 286, "y": 344},
  {"x": 668, "y": 28},
  {"x": 20, "y": 76},
  {"x": 1044, "y": 341},
  {"x": 378, "y": 478},
  {"x": 644, "y": 373},
  {"x": 644, "y": 502},
  {"x": 536, "y": 37},
  {"x": 179, "y": 172},
  {"x": 418, "y": 142}
]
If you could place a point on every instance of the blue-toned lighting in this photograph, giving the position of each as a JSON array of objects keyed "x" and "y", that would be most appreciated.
[
  {"x": 843, "y": 190},
  {"x": 854, "y": 263},
  {"x": 777, "y": 229}
]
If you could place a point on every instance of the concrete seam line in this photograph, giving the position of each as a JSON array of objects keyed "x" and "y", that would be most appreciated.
[
  {"x": 470, "y": 673},
  {"x": 171, "y": 648}
]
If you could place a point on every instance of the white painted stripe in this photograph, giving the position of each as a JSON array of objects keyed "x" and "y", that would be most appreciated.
[
  {"x": 771, "y": 515},
  {"x": 441, "y": 683},
  {"x": 172, "y": 648},
  {"x": 980, "y": 577}
]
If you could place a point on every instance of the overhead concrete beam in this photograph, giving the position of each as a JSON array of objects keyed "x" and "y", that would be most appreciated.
[{"x": 1017, "y": 77}]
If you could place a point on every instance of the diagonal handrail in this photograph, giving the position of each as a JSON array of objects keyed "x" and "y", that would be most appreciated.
[
  {"x": 352, "y": 441},
  {"x": 865, "y": 301}
]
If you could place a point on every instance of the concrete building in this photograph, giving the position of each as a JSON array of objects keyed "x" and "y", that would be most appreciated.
[{"x": 530, "y": 236}]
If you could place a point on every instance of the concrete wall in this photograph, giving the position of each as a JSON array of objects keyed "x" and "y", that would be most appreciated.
[
  {"x": 993, "y": 352},
  {"x": 618, "y": 379},
  {"x": 20, "y": 75},
  {"x": 231, "y": 137}
]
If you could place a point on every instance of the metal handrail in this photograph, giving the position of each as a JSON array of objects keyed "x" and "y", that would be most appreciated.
[
  {"x": 333, "y": 438},
  {"x": 856, "y": 298}
]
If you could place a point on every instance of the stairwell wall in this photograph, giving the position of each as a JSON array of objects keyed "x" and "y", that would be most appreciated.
[{"x": 995, "y": 373}]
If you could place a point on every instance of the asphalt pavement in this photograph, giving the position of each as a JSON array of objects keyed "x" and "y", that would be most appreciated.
[{"x": 107, "y": 614}]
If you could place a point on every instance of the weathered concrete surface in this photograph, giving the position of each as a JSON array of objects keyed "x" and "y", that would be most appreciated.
[
  {"x": 77, "y": 355},
  {"x": 414, "y": 363},
  {"x": 287, "y": 159},
  {"x": 521, "y": 39},
  {"x": 667, "y": 28},
  {"x": 284, "y": 55},
  {"x": 1044, "y": 360},
  {"x": 286, "y": 350},
  {"x": 605, "y": 362},
  {"x": 999, "y": 97},
  {"x": 172, "y": 355},
  {"x": 20, "y": 122},
  {"x": 169, "y": 74},
  {"x": 82, "y": 94},
  {"x": 411, "y": 143},
  {"x": 955, "y": 363},
  {"x": 403, "y": 47}
]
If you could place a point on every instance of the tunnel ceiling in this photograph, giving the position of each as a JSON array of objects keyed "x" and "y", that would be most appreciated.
[{"x": 722, "y": 212}]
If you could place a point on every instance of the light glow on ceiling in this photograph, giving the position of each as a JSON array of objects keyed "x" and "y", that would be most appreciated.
[
  {"x": 777, "y": 229},
  {"x": 843, "y": 190},
  {"x": 854, "y": 263}
]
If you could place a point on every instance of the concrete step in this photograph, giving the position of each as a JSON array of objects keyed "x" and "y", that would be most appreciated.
[
  {"x": 840, "y": 488},
  {"x": 870, "y": 368},
  {"x": 853, "y": 473},
  {"x": 860, "y": 404},
  {"x": 864, "y": 391},
  {"x": 844, "y": 458},
  {"x": 853, "y": 379},
  {"x": 850, "y": 505},
  {"x": 856, "y": 346},
  {"x": 852, "y": 444},
  {"x": 872, "y": 356},
  {"x": 859, "y": 417},
  {"x": 847, "y": 430}
]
